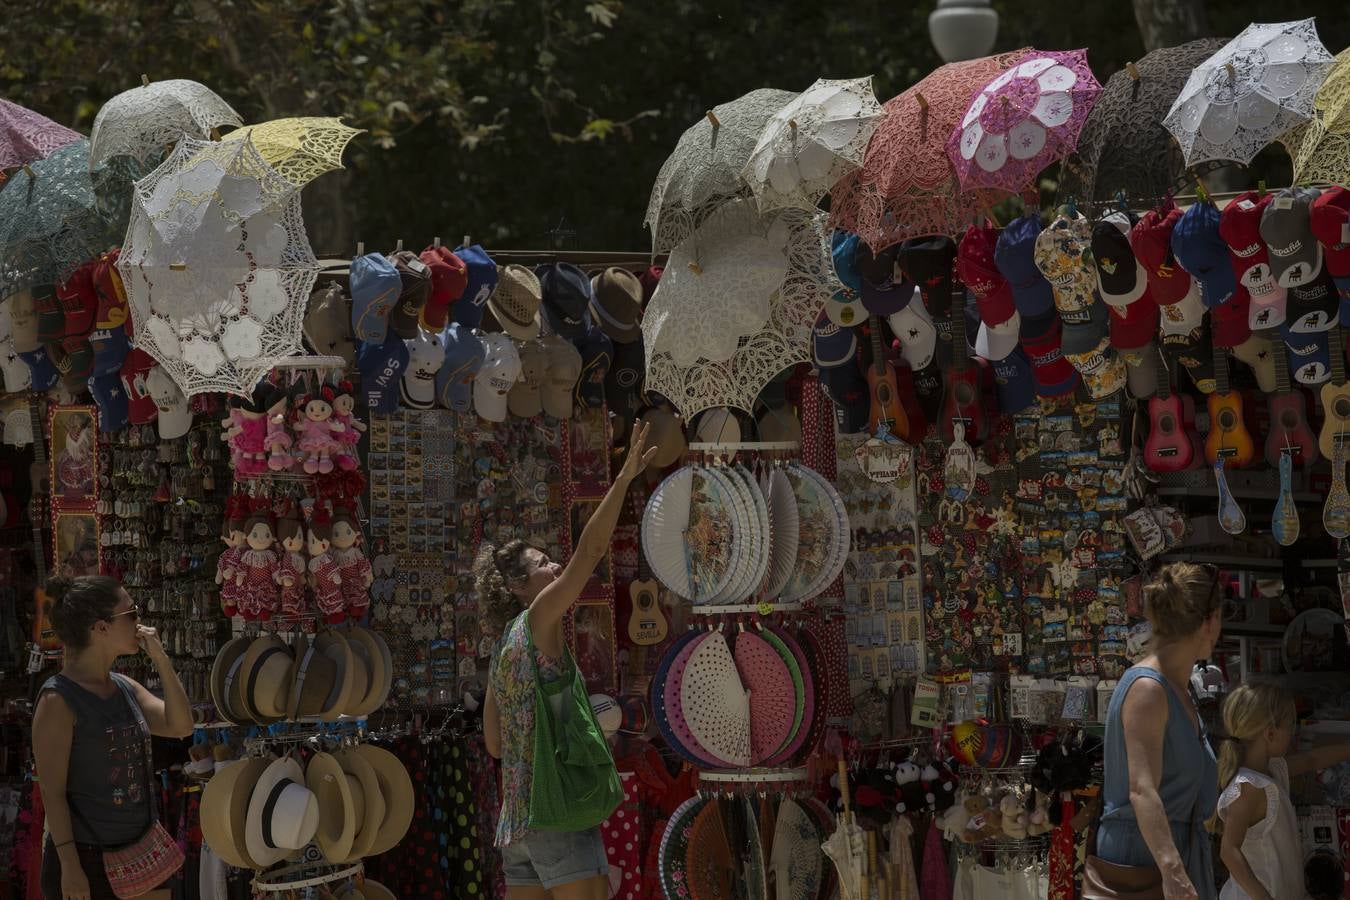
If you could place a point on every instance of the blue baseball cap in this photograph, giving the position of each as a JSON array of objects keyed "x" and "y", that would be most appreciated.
[
  {"x": 1201, "y": 250},
  {"x": 464, "y": 354},
  {"x": 1013, "y": 381},
  {"x": 597, "y": 355},
  {"x": 845, "y": 245},
  {"x": 834, "y": 345},
  {"x": 111, "y": 398},
  {"x": 382, "y": 366},
  {"x": 482, "y": 273},
  {"x": 375, "y": 288},
  {"x": 567, "y": 297},
  {"x": 1309, "y": 355},
  {"x": 40, "y": 364},
  {"x": 885, "y": 290},
  {"x": 848, "y": 391},
  {"x": 1015, "y": 256}
]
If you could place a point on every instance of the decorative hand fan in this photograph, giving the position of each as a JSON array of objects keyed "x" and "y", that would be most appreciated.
[
  {"x": 739, "y": 506},
  {"x": 756, "y": 879},
  {"x": 714, "y": 703},
  {"x": 825, "y": 825},
  {"x": 773, "y": 701},
  {"x": 688, "y": 534},
  {"x": 660, "y": 712},
  {"x": 817, "y": 667},
  {"x": 709, "y": 860},
  {"x": 674, "y": 707},
  {"x": 675, "y": 848},
  {"x": 795, "y": 862},
  {"x": 760, "y": 532},
  {"x": 823, "y": 535},
  {"x": 783, "y": 531},
  {"x": 798, "y": 689}
]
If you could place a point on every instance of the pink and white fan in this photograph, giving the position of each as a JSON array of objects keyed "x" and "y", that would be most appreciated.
[
  {"x": 772, "y": 696},
  {"x": 714, "y": 702}
]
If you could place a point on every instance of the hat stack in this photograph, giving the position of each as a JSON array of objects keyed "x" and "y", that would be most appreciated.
[{"x": 1298, "y": 263}]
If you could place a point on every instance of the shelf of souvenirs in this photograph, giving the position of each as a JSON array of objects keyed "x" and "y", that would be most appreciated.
[{"x": 1245, "y": 562}]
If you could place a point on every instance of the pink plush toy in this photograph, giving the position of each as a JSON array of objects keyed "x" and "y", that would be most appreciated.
[
  {"x": 246, "y": 432},
  {"x": 257, "y": 576},
  {"x": 344, "y": 405},
  {"x": 278, "y": 439},
  {"x": 357, "y": 573},
  {"x": 324, "y": 571},
  {"x": 291, "y": 564},
  {"x": 230, "y": 562},
  {"x": 318, "y": 433}
]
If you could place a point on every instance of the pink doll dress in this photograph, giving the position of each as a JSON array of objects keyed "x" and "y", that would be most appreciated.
[
  {"x": 260, "y": 587},
  {"x": 293, "y": 597}
]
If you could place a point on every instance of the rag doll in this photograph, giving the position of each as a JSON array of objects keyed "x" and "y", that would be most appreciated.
[
  {"x": 230, "y": 562},
  {"x": 318, "y": 432},
  {"x": 257, "y": 576},
  {"x": 246, "y": 432},
  {"x": 278, "y": 439},
  {"x": 324, "y": 575},
  {"x": 291, "y": 564},
  {"x": 356, "y": 571},
  {"x": 344, "y": 405}
]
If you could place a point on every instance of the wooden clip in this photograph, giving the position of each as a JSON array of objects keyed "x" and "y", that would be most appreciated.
[
  {"x": 792, "y": 123},
  {"x": 1228, "y": 67},
  {"x": 712, "y": 117},
  {"x": 1132, "y": 70},
  {"x": 360, "y": 248},
  {"x": 695, "y": 268},
  {"x": 923, "y": 101},
  {"x": 177, "y": 267},
  {"x": 436, "y": 242},
  {"x": 145, "y": 80},
  {"x": 398, "y": 247},
  {"x": 28, "y": 170}
]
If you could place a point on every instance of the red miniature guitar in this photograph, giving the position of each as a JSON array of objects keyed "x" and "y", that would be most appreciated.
[
  {"x": 1289, "y": 429},
  {"x": 1172, "y": 444},
  {"x": 961, "y": 398}
]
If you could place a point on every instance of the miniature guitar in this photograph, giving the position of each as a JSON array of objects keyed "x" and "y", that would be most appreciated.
[
  {"x": 884, "y": 391},
  {"x": 647, "y": 624},
  {"x": 1335, "y": 399},
  {"x": 1289, "y": 430},
  {"x": 1231, "y": 517},
  {"x": 1284, "y": 524},
  {"x": 961, "y": 399},
  {"x": 1336, "y": 510},
  {"x": 1171, "y": 444},
  {"x": 1228, "y": 437}
]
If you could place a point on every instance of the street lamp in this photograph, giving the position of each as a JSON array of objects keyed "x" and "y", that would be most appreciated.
[{"x": 963, "y": 29}]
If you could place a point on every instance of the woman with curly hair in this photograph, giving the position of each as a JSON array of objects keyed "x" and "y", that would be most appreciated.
[{"x": 525, "y": 594}]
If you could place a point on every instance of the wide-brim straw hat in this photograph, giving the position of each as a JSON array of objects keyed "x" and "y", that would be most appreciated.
[
  {"x": 224, "y": 810},
  {"x": 337, "y": 815},
  {"x": 397, "y": 788}
]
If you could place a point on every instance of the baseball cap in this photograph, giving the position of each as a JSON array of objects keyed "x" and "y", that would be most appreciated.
[
  {"x": 1286, "y": 227},
  {"x": 616, "y": 304},
  {"x": 1151, "y": 241},
  {"x": 1053, "y": 374},
  {"x": 845, "y": 307},
  {"x": 327, "y": 324},
  {"x": 1083, "y": 336},
  {"x": 1013, "y": 382},
  {"x": 1240, "y": 227},
  {"x": 481, "y": 275},
  {"x": 1121, "y": 279},
  {"x": 848, "y": 391},
  {"x": 649, "y": 278},
  {"x": 567, "y": 296},
  {"x": 175, "y": 413},
  {"x": 928, "y": 262},
  {"x": 523, "y": 398},
  {"x": 597, "y": 353},
  {"x": 913, "y": 327},
  {"x": 1231, "y": 321},
  {"x": 449, "y": 277},
  {"x": 415, "y": 288},
  {"x": 1309, "y": 355},
  {"x": 41, "y": 367},
  {"x": 1202, "y": 251},
  {"x": 17, "y": 376},
  {"x": 995, "y": 342},
  {"x": 1182, "y": 316},
  {"x": 1141, "y": 370},
  {"x": 111, "y": 399},
  {"x": 496, "y": 377},
  {"x": 78, "y": 303},
  {"x": 1134, "y": 325},
  {"x": 843, "y": 247},
  {"x": 561, "y": 374},
  {"x": 426, "y": 355},
  {"x": 1257, "y": 352},
  {"x": 1101, "y": 367},
  {"x": 1194, "y": 351},
  {"x": 975, "y": 264},
  {"x": 623, "y": 381},
  {"x": 23, "y": 314},
  {"x": 109, "y": 338},
  {"x": 463, "y": 357},
  {"x": 515, "y": 303},
  {"x": 375, "y": 285},
  {"x": 73, "y": 358},
  {"x": 51, "y": 320},
  {"x": 141, "y": 409},
  {"x": 885, "y": 290},
  {"x": 832, "y": 345},
  {"x": 382, "y": 366},
  {"x": 1064, "y": 256},
  {"x": 1313, "y": 306},
  {"x": 1330, "y": 223},
  {"x": 996, "y": 306},
  {"x": 1015, "y": 255}
]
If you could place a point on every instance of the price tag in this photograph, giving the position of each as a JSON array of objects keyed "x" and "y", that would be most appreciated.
[
  {"x": 1283, "y": 202},
  {"x": 34, "y": 660}
]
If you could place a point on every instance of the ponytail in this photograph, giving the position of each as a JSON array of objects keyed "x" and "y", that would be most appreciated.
[
  {"x": 1248, "y": 711},
  {"x": 1230, "y": 760}
]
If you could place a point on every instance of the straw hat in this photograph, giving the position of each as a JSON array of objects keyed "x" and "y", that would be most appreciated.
[
  {"x": 266, "y": 671},
  {"x": 225, "y": 809},
  {"x": 229, "y": 655},
  {"x": 333, "y": 645},
  {"x": 337, "y": 815},
  {"x": 367, "y": 801},
  {"x": 283, "y": 813},
  {"x": 397, "y": 789},
  {"x": 313, "y": 677},
  {"x": 373, "y": 890},
  {"x": 388, "y": 658},
  {"x": 367, "y": 649},
  {"x": 516, "y": 302}
]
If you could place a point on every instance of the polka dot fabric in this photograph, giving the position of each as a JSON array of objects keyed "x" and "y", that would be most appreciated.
[
  {"x": 714, "y": 703},
  {"x": 828, "y": 632},
  {"x": 624, "y": 835},
  {"x": 684, "y": 740}
]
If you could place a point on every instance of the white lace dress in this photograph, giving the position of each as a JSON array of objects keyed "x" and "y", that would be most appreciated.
[{"x": 1272, "y": 846}]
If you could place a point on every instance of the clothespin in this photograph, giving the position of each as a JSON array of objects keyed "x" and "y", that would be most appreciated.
[
  {"x": 1201, "y": 193},
  {"x": 360, "y": 248},
  {"x": 436, "y": 242},
  {"x": 923, "y": 101},
  {"x": 467, "y": 242},
  {"x": 1261, "y": 188},
  {"x": 792, "y": 123},
  {"x": 145, "y": 80},
  {"x": 398, "y": 246},
  {"x": 712, "y": 117}
]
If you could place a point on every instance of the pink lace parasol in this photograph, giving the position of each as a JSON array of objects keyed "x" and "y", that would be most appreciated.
[
  {"x": 27, "y": 136},
  {"x": 1024, "y": 120}
]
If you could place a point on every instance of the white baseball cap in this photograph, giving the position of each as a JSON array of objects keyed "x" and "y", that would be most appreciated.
[
  {"x": 913, "y": 326},
  {"x": 500, "y": 371},
  {"x": 426, "y": 355},
  {"x": 996, "y": 342},
  {"x": 560, "y": 376},
  {"x": 18, "y": 377},
  {"x": 175, "y": 413},
  {"x": 523, "y": 400}
]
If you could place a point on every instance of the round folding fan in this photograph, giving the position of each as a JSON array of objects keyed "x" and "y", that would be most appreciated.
[
  {"x": 756, "y": 879},
  {"x": 688, "y": 534},
  {"x": 823, "y": 535},
  {"x": 661, "y": 710},
  {"x": 773, "y": 701},
  {"x": 783, "y": 531},
  {"x": 803, "y": 730},
  {"x": 796, "y": 860},
  {"x": 672, "y": 857},
  {"x": 760, "y": 532},
  {"x": 713, "y": 701},
  {"x": 735, "y": 539},
  {"x": 709, "y": 861},
  {"x": 818, "y": 667},
  {"x": 825, "y": 824},
  {"x": 798, "y": 691},
  {"x": 843, "y": 533},
  {"x": 675, "y": 708}
]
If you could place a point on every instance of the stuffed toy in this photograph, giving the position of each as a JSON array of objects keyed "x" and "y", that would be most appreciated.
[
  {"x": 257, "y": 574},
  {"x": 230, "y": 562},
  {"x": 324, "y": 572},
  {"x": 344, "y": 404},
  {"x": 291, "y": 564},
  {"x": 318, "y": 432},
  {"x": 356, "y": 571},
  {"x": 245, "y": 431},
  {"x": 985, "y": 821},
  {"x": 939, "y": 781},
  {"x": 953, "y": 821},
  {"x": 1014, "y": 817},
  {"x": 1038, "y": 822},
  {"x": 277, "y": 441}
]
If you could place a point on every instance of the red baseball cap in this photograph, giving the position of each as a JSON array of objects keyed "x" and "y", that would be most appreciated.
[
  {"x": 1134, "y": 325},
  {"x": 78, "y": 301},
  {"x": 1229, "y": 320},
  {"x": 1151, "y": 240},
  {"x": 975, "y": 264},
  {"x": 141, "y": 408},
  {"x": 1240, "y": 228},
  {"x": 997, "y": 306},
  {"x": 1054, "y": 375},
  {"x": 1329, "y": 217},
  {"x": 449, "y": 278}
]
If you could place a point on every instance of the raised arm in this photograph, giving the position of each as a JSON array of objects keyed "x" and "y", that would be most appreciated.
[
  {"x": 553, "y": 602},
  {"x": 1317, "y": 759},
  {"x": 1143, "y": 718},
  {"x": 172, "y": 716}
]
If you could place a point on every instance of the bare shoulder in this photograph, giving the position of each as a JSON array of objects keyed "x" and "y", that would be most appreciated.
[
  {"x": 52, "y": 709},
  {"x": 1145, "y": 700}
]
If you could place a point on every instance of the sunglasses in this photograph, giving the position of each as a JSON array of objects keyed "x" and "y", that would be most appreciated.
[{"x": 134, "y": 612}]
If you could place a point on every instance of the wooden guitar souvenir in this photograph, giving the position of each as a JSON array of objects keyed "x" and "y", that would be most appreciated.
[
  {"x": 884, "y": 391},
  {"x": 1231, "y": 517},
  {"x": 1284, "y": 524},
  {"x": 1171, "y": 445},
  {"x": 1335, "y": 400},
  {"x": 1289, "y": 430},
  {"x": 1336, "y": 510},
  {"x": 647, "y": 624},
  {"x": 1228, "y": 437},
  {"x": 962, "y": 402}
]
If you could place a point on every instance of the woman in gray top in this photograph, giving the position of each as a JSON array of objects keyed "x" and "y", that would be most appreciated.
[{"x": 87, "y": 740}]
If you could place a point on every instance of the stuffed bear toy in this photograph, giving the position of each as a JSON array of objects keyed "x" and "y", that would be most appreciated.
[
  {"x": 953, "y": 821},
  {"x": 1014, "y": 817},
  {"x": 1038, "y": 823},
  {"x": 985, "y": 821}
]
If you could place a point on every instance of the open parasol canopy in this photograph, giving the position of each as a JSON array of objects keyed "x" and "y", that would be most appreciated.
[
  {"x": 143, "y": 121},
  {"x": 1321, "y": 148},
  {"x": 27, "y": 136},
  {"x": 300, "y": 149}
]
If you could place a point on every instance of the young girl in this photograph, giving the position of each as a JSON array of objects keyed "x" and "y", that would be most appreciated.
[{"x": 1261, "y": 846}]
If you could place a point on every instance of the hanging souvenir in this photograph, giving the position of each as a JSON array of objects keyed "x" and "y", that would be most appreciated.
[
  {"x": 324, "y": 570},
  {"x": 257, "y": 572},
  {"x": 291, "y": 563}
]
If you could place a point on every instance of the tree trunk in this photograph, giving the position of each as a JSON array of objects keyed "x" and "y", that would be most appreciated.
[{"x": 1166, "y": 23}]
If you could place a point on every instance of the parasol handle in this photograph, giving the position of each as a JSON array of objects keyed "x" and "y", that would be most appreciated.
[
  {"x": 923, "y": 101},
  {"x": 712, "y": 117},
  {"x": 872, "y": 852},
  {"x": 843, "y": 787},
  {"x": 864, "y": 887}
]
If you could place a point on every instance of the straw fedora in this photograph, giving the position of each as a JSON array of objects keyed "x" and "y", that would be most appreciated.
[
  {"x": 313, "y": 677},
  {"x": 265, "y": 670},
  {"x": 388, "y": 667},
  {"x": 229, "y": 655},
  {"x": 337, "y": 828},
  {"x": 333, "y": 645},
  {"x": 283, "y": 813},
  {"x": 225, "y": 809},
  {"x": 373, "y": 890},
  {"x": 367, "y": 649},
  {"x": 397, "y": 788},
  {"x": 515, "y": 303},
  {"x": 367, "y": 801}
]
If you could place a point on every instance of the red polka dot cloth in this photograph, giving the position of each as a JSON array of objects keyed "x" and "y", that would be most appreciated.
[{"x": 624, "y": 833}]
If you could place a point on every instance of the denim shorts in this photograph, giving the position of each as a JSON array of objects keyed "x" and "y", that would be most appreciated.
[{"x": 551, "y": 858}]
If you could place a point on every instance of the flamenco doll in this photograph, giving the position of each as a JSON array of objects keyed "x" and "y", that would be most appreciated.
[
  {"x": 324, "y": 571},
  {"x": 258, "y": 568},
  {"x": 318, "y": 432},
  {"x": 245, "y": 431},
  {"x": 357, "y": 573},
  {"x": 344, "y": 404},
  {"x": 230, "y": 563},
  {"x": 291, "y": 563}
]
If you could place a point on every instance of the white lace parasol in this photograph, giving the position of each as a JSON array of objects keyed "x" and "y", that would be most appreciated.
[
  {"x": 716, "y": 338},
  {"x": 217, "y": 266},
  {"x": 145, "y": 120}
]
